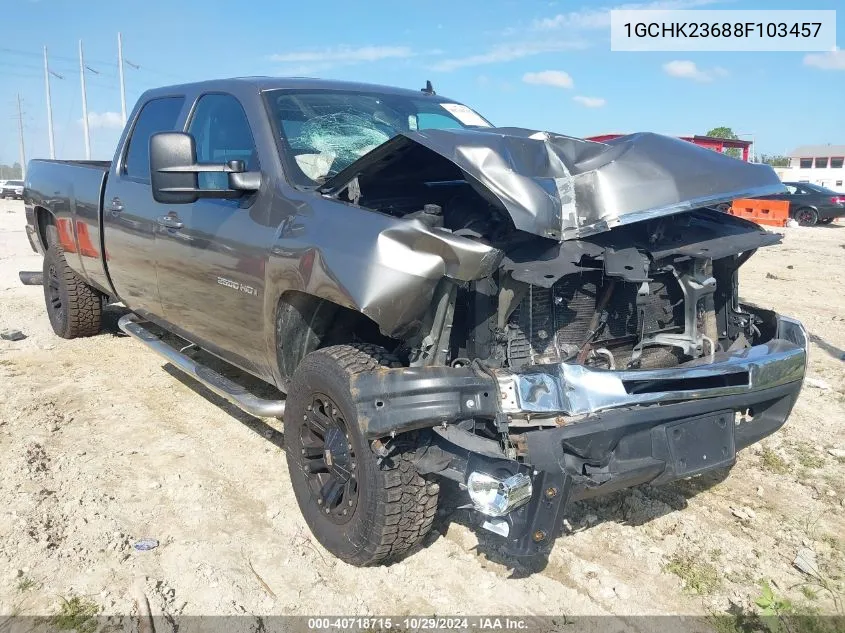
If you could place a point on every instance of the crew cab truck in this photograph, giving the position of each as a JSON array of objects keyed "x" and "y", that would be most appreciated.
[{"x": 537, "y": 317}]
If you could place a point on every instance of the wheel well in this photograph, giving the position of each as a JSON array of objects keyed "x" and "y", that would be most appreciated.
[
  {"x": 305, "y": 323},
  {"x": 43, "y": 218}
]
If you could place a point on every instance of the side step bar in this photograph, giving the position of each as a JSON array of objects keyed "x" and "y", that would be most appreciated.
[{"x": 222, "y": 386}]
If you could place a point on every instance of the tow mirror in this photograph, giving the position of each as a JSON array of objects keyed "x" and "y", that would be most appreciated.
[{"x": 174, "y": 169}]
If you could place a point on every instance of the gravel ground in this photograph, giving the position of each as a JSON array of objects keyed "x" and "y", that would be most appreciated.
[{"x": 103, "y": 444}]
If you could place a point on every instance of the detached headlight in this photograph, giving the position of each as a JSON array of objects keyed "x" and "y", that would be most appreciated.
[{"x": 496, "y": 497}]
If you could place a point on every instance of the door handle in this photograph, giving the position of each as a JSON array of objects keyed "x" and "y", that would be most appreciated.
[
  {"x": 170, "y": 222},
  {"x": 116, "y": 205}
]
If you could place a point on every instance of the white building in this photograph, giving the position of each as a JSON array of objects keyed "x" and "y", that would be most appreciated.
[{"x": 819, "y": 164}]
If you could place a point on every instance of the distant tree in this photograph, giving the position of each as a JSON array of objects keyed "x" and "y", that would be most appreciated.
[
  {"x": 726, "y": 132},
  {"x": 12, "y": 172},
  {"x": 775, "y": 160}
]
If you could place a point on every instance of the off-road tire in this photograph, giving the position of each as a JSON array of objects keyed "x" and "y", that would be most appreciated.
[
  {"x": 807, "y": 216},
  {"x": 395, "y": 505},
  {"x": 75, "y": 308}
]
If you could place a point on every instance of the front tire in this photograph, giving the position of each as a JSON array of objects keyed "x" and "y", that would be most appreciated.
[
  {"x": 807, "y": 216},
  {"x": 363, "y": 510},
  {"x": 75, "y": 308}
]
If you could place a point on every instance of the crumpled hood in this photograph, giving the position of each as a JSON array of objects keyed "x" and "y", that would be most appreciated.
[{"x": 566, "y": 188}]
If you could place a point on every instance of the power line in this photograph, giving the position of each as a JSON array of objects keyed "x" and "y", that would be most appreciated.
[{"x": 16, "y": 51}]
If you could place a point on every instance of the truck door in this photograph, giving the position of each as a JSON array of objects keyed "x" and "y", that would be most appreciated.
[
  {"x": 212, "y": 255},
  {"x": 130, "y": 213}
]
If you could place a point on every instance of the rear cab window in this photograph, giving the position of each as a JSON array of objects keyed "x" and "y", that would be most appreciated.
[{"x": 157, "y": 115}]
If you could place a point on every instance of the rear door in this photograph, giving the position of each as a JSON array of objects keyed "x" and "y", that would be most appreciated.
[
  {"x": 211, "y": 258},
  {"x": 130, "y": 213}
]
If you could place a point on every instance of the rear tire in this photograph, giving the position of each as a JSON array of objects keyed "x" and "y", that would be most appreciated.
[
  {"x": 363, "y": 510},
  {"x": 807, "y": 216},
  {"x": 75, "y": 308}
]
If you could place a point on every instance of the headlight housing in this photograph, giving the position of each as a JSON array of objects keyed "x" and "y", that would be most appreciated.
[{"x": 497, "y": 497}]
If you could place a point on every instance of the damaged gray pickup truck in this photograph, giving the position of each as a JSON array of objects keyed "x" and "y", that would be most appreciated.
[{"x": 536, "y": 317}]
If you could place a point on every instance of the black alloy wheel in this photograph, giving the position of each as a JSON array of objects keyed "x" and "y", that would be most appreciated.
[{"x": 328, "y": 459}]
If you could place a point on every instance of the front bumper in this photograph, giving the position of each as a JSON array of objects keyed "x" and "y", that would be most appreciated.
[
  {"x": 608, "y": 429},
  {"x": 574, "y": 390}
]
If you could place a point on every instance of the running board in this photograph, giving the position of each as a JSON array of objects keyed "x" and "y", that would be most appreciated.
[{"x": 222, "y": 386}]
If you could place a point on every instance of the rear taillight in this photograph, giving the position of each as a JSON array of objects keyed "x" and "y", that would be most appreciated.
[{"x": 838, "y": 200}]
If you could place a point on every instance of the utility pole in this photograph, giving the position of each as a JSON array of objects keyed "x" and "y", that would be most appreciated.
[
  {"x": 84, "y": 104},
  {"x": 120, "y": 73},
  {"x": 22, "y": 148},
  {"x": 49, "y": 106}
]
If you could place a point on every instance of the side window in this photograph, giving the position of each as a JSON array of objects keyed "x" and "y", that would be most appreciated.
[
  {"x": 222, "y": 133},
  {"x": 791, "y": 189},
  {"x": 157, "y": 115}
]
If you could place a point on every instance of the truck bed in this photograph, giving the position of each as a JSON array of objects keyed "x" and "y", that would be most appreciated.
[{"x": 72, "y": 192}]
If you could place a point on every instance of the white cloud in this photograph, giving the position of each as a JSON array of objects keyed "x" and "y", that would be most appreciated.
[
  {"x": 556, "y": 78},
  {"x": 590, "y": 102},
  {"x": 104, "y": 120},
  {"x": 506, "y": 53},
  {"x": 685, "y": 69},
  {"x": 344, "y": 55},
  {"x": 831, "y": 60},
  {"x": 600, "y": 18}
]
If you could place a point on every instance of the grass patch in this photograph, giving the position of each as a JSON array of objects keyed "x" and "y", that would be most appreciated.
[
  {"x": 26, "y": 583},
  {"x": 700, "y": 577},
  {"x": 809, "y": 592},
  {"x": 808, "y": 456},
  {"x": 76, "y": 613},
  {"x": 773, "y": 462},
  {"x": 775, "y": 614}
]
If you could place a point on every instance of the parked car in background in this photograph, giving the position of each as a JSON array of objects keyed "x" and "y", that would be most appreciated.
[
  {"x": 13, "y": 189},
  {"x": 811, "y": 204}
]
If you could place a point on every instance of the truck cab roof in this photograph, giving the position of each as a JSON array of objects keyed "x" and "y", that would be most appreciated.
[{"x": 263, "y": 83}]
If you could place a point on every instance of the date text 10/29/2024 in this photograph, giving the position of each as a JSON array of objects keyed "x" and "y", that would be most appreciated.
[{"x": 480, "y": 623}]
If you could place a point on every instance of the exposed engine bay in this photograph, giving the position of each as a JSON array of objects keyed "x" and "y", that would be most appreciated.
[
  {"x": 611, "y": 254},
  {"x": 657, "y": 301},
  {"x": 652, "y": 294}
]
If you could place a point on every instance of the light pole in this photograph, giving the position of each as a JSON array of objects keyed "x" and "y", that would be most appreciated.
[{"x": 84, "y": 104}]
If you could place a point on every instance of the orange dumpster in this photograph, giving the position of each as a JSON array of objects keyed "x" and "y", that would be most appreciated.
[{"x": 768, "y": 212}]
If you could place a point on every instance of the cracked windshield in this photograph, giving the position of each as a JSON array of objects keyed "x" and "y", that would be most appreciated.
[{"x": 325, "y": 132}]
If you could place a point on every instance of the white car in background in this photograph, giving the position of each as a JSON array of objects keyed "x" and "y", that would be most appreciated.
[{"x": 12, "y": 189}]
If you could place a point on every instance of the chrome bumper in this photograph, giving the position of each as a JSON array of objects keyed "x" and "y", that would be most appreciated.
[{"x": 564, "y": 389}]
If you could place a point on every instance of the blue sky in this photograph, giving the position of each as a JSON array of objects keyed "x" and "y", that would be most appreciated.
[{"x": 544, "y": 65}]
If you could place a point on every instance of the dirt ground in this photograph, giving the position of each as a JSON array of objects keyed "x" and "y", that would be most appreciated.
[{"x": 103, "y": 445}]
